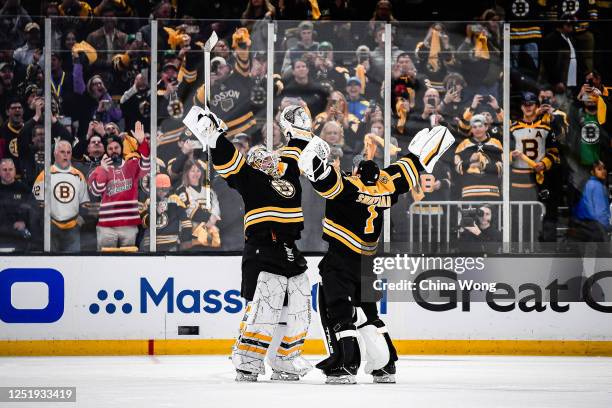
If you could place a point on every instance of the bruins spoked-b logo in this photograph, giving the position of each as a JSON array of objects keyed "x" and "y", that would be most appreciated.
[
  {"x": 64, "y": 192},
  {"x": 283, "y": 187}
]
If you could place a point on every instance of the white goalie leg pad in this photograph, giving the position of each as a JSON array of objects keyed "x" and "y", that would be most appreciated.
[
  {"x": 299, "y": 314},
  {"x": 279, "y": 333},
  {"x": 313, "y": 159},
  {"x": 254, "y": 341},
  {"x": 377, "y": 350},
  {"x": 430, "y": 145}
]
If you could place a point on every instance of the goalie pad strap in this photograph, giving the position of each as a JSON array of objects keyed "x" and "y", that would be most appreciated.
[{"x": 346, "y": 333}]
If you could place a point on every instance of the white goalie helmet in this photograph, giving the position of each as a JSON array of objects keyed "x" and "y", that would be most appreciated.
[
  {"x": 263, "y": 160},
  {"x": 295, "y": 122}
]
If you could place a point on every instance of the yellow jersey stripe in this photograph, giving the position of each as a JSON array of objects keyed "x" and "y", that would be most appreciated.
[
  {"x": 281, "y": 220},
  {"x": 233, "y": 160},
  {"x": 327, "y": 223},
  {"x": 335, "y": 190},
  {"x": 347, "y": 243}
]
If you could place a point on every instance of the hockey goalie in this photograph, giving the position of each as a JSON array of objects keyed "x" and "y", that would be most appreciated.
[{"x": 274, "y": 281}]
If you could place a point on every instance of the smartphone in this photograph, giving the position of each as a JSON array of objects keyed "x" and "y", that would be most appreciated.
[
  {"x": 431, "y": 101},
  {"x": 372, "y": 105},
  {"x": 590, "y": 82}
]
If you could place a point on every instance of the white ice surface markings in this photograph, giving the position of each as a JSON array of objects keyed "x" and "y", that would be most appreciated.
[{"x": 208, "y": 381}]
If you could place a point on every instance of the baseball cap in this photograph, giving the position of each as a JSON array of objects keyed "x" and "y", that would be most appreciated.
[
  {"x": 353, "y": 81},
  {"x": 306, "y": 25},
  {"x": 529, "y": 98},
  {"x": 31, "y": 26},
  {"x": 219, "y": 60},
  {"x": 478, "y": 119},
  {"x": 162, "y": 181},
  {"x": 169, "y": 65}
]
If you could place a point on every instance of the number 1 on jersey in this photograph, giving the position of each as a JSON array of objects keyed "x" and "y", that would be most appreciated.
[{"x": 369, "y": 228}]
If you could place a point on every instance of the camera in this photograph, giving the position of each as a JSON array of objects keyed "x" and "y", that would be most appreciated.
[
  {"x": 431, "y": 101},
  {"x": 546, "y": 101},
  {"x": 486, "y": 99},
  {"x": 25, "y": 234},
  {"x": 145, "y": 108},
  {"x": 116, "y": 159},
  {"x": 470, "y": 216},
  {"x": 590, "y": 82}
]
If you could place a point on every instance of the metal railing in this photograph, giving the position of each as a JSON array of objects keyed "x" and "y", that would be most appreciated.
[{"x": 442, "y": 218}]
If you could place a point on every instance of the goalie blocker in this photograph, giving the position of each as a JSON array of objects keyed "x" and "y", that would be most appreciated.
[{"x": 352, "y": 226}]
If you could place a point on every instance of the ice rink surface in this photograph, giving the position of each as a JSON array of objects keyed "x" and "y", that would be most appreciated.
[{"x": 424, "y": 381}]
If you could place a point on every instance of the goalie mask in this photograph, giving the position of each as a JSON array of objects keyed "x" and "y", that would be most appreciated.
[
  {"x": 267, "y": 162},
  {"x": 295, "y": 122}
]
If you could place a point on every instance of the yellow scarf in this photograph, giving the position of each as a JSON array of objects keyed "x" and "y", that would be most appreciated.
[
  {"x": 481, "y": 49},
  {"x": 371, "y": 143},
  {"x": 360, "y": 72},
  {"x": 314, "y": 6},
  {"x": 434, "y": 50},
  {"x": 402, "y": 112}
]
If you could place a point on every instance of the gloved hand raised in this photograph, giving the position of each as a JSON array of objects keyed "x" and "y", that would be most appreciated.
[{"x": 205, "y": 125}]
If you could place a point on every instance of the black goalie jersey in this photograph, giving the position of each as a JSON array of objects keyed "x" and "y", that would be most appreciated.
[
  {"x": 271, "y": 205},
  {"x": 353, "y": 211}
]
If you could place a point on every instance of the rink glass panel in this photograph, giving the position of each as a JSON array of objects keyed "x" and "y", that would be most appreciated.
[
  {"x": 346, "y": 39},
  {"x": 22, "y": 226},
  {"x": 458, "y": 65},
  {"x": 91, "y": 113}
]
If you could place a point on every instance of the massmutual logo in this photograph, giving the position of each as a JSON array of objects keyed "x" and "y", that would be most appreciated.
[
  {"x": 167, "y": 297},
  {"x": 38, "y": 295}
]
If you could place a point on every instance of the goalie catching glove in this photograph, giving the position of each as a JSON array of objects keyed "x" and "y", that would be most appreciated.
[
  {"x": 205, "y": 125},
  {"x": 313, "y": 160},
  {"x": 430, "y": 144}
]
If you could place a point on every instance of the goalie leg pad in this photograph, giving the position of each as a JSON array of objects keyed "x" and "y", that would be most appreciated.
[
  {"x": 262, "y": 318},
  {"x": 380, "y": 352},
  {"x": 289, "y": 353},
  {"x": 379, "y": 348}
]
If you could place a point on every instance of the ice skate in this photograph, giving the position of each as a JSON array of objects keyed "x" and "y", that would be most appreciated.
[
  {"x": 341, "y": 375},
  {"x": 245, "y": 376},
  {"x": 385, "y": 375},
  {"x": 284, "y": 376}
]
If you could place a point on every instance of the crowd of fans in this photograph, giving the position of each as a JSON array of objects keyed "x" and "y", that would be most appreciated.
[{"x": 448, "y": 74}]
